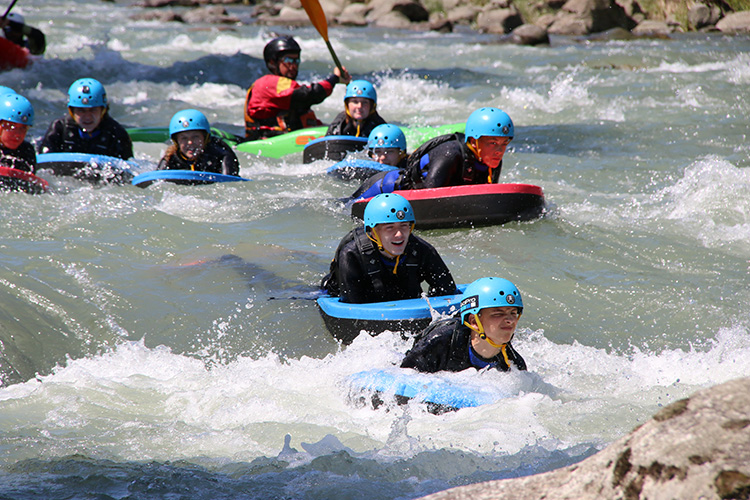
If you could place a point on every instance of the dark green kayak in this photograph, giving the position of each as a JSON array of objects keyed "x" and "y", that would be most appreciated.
[{"x": 292, "y": 142}]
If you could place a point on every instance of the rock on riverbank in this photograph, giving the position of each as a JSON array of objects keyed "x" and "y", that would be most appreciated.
[
  {"x": 526, "y": 22},
  {"x": 696, "y": 448}
]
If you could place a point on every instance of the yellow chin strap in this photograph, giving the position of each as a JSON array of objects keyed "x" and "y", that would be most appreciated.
[
  {"x": 478, "y": 153},
  {"x": 182, "y": 155},
  {"x": 359, "y": 123},
  {"x": 376, "y": 240},
  {"x": 480, "y": 330}
]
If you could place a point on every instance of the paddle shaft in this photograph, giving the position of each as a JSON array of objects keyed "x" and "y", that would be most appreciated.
[
  {"x": 318, "y": 19},
  {"x": 10, "y": 7},
  {"x": 335, "y": 59}
]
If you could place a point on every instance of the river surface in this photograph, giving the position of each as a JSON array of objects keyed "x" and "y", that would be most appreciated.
[{"x": 138, "y": 360}]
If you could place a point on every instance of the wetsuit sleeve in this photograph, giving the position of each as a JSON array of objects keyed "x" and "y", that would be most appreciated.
[
  {"x": 353, "y": 283},
  {"x": 164, "y": 164},
  {"x": 21, "y": 158},
  {"x": 52, "y": 142},
  {"x": 124, "y": 144},
  {"x": 230, "y": 165},
  {"x": 515, "y": 357},
  {"x": 430, "y": 354},
  {"x": 117, "y": 141},
  {"x": 434, "y": 271},
  {"x": 27, "y": 154},
  {"x": 444, "y": 162},
  {"x": 304, "y": 96}
]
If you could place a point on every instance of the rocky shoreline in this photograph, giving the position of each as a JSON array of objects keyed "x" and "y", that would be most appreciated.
[
  {"x": 524, "y": 22},
  {"x": 695, "y": 448}
]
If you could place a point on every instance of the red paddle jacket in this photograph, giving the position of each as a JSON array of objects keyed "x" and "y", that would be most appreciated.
[{"x": 276, "y": 104}]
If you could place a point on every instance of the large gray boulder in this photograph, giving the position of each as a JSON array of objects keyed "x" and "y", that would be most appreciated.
[
  {"x": 411, "y": 10},
  {"x": 701, "y": 15},
  {"x": 354, "y": 15},
  {"x": 529, "y": 34},
  {"x": 502, "y": 20},
  {"x": 738, "y": 22},
  {"x": 695, "y": 448},
  {"x": 212, "y": 14},
  {"x": 582, "y": 17}
]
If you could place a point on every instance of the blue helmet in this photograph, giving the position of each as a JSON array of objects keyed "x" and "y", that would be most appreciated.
[
  {"x": 386, "y": 208},
  {"x": 17, "y": 109},
  {"x": 6, "y": 90},
  {"x": 489, "y": 292},
  {"x": 188, "y": 119},
  {"x": 87, "y": 93},
  {"x": 387, "y": 136},
  {"x": 489, "y": 121},
  {"x": 361, "y": 88}
]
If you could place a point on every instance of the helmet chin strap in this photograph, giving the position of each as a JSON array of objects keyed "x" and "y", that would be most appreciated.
[
  {"x": 480, "y": 330},
  {"x": 474, "y": 148},
  {"x": 379, "y": 243},
  {"x": 359, "y": 122},
  {"x": 376, "y": 240},
  {"x": 478, "y": 153}
]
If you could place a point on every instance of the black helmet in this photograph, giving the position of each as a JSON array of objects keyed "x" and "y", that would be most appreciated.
[{"x": 276, "y": 47}]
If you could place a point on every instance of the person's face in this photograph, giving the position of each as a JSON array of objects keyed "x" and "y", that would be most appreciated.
[
  {"x": 191, "y": 143},
  {"x": 386, "y": 156},
  {"x": 491, "y": 149},
  {"x": 499, "y": 323},
  {"x": 289, "y": 65},
  {"x": 88, "y": 118},
  {"x": 393, "y": 236},
  {"x": 359, "y": 107},
  {"x": 12, "y": 134}
]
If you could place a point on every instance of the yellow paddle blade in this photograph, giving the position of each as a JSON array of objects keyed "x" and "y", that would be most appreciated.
[{"x": 317, "y": 16}]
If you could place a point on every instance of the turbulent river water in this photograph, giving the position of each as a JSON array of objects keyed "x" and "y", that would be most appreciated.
[{"x": 137, "y": 361}]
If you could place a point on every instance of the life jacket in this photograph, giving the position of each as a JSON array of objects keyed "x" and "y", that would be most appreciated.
[
  {"x": 417, "y": 165},
  {"x": 456, "y": 358},
  {"x": 369, "y": 257},
  {"x": 282, "y": 123},
  {"x": 419, "y": 158}
]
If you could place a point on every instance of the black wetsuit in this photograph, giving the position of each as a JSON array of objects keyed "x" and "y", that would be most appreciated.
[
  {"x": 343, "y": 124},
  {"x": 361, "y": 274},
  {"x": 449, "y": 163},
  {"x": 445, "y": 346},
  {"x": 109, "y": 139},
  {"x": 216, "y": 157},
  {"x": 21, "y": 158},
  {"x": 443, "y": 161}
]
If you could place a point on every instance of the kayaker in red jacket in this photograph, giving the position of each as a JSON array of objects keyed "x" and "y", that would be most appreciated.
[{"x": 276, "y": 103}]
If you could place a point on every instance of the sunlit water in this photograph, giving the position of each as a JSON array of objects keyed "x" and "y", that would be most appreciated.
[{"x": 138, "y": 363}]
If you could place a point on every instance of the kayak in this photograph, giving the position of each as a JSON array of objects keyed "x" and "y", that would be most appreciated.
[
  {"x": 332, "y": 147},
  {"x": 12, "y": 55},
  {"x": 88, "y": 167},
  {"x": 437, "y": 390},
  {"x": 13, "y": 179},
  {"x": 345, "y": 320},
  {"x": 291, "y": 142},
  {"x": 284, "y": 144},
  {"x": 185, "y": 177},
  {"x": 161, "y": 134},
  {"x": 357, "y": 168},
  {"x": 471, "y": 205}
]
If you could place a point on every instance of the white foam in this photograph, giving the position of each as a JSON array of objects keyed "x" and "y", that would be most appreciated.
[{"x": 242, "y": 409}]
